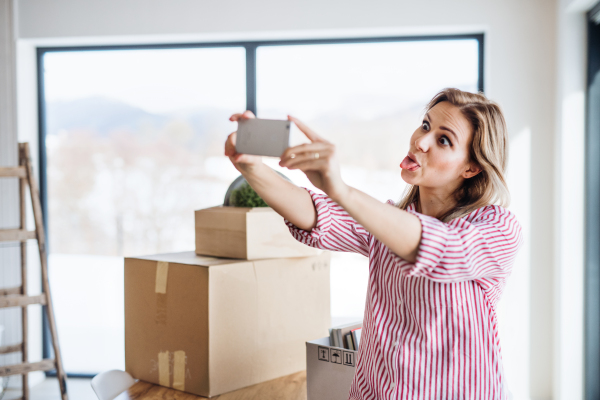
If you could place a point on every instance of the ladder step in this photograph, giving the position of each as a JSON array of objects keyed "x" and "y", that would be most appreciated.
[
  {"x": 15, "y": 235},
  {"x": 14, "y": 172},
  {"x": 13, "y": 348},
  {"x": 11, "y": 290},
  {"x": 21, "y": 301},
  {"x": 19, "y": 369}
]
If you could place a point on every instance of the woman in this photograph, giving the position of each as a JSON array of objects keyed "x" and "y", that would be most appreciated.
[{"x": 438, "y": 260}]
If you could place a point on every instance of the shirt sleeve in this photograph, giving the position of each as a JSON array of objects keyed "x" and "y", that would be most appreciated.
[
  {"x": 461, "y": 250},
  {"x": 336, "y": 230}
]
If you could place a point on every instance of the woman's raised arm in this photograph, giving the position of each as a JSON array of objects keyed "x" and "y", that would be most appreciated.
[{"x": 361, "y": 213}]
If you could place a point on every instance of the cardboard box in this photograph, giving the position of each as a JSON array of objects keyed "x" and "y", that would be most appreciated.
[
  {"x": 329, "y": 370},
  {"x": 246, "y": 233},
  {"x": 209, "y": 325}
]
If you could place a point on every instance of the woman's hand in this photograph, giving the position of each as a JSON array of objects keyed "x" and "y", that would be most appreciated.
[
  {"x": 242, "y": 162},
  {"x": 317, "y": 160}
]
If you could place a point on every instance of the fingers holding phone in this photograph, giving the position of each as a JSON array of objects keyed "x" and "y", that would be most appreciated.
[
  {"x": 319, "y": 163},
  {"x": 239, "y": 160},
  {"x": 317, "y": 152},
  {"x": 241, "y": 116},
  {"x": 317, "y": 159},
  {"x": 310, "y": 134}
]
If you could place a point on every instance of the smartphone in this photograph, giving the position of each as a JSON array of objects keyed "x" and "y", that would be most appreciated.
[{"x": 266, "y": 137}]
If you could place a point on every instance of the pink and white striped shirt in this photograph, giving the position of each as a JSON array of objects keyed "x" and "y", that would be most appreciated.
[{"x": 430, "y": 329}]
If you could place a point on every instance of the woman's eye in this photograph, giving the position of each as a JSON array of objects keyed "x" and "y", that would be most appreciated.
[
  {"x": 445, "y": 141},
  {"x": 425, "y": 125}
]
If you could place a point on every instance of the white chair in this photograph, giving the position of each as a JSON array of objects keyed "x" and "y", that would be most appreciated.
[{"x": 110, "y": 384}]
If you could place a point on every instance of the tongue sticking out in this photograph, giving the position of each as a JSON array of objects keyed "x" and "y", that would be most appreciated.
[{"x": 409, "y": 164}]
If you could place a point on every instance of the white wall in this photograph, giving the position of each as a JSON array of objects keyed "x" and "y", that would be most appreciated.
[
  {"x": 569, "y": 194},
  {"x": 10, "y": 273},
  {"x": 9, "y": 189},
  {"x": 523, "y": 62}
]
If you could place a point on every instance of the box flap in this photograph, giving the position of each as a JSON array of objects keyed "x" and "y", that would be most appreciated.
[
  {"x": 190, "y": 258},
  {"x": 324, "y": 341},
  {"x": 231, "y": 209},
  {"x": 225, "y": 209},
  {"x": 255, "y": 210}
]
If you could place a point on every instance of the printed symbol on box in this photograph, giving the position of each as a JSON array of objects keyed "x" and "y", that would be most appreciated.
[
  {"x": 349, "y": 358},
  {"x": 336, "y": 356},
  {"x": 323, "y": 354}
]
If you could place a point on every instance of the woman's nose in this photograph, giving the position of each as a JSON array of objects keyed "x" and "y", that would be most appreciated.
[{"x": 422, "y": 143}]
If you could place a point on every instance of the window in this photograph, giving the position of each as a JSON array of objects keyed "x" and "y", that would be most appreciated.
[{"x": 134, "y": 143}]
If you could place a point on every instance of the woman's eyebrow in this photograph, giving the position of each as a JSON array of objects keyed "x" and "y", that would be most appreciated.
[
  {"x": 444, "y": 128},
  {"x": 451, "y": 131}
]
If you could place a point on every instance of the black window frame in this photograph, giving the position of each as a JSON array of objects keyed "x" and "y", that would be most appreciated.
[
  {"x": 591, "y": 367},
  {"x": 250, "y": 48}
]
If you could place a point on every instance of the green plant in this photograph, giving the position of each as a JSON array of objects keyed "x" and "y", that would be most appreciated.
[{"x": 245, "y": 196}]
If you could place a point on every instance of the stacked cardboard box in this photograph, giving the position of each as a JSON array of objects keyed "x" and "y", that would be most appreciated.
[
  {"x": 210, "y": 324},
  {"x": 246, "y": 233}
]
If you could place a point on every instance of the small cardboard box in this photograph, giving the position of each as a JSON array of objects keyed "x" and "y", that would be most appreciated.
[
  {"x": 246, "y": 233},
  {"x": 209, "y": 325},
  {"x": 329, "y": 370}
]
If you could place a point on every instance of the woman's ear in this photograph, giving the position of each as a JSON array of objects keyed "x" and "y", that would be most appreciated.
[{"x": 473, "y": 170}]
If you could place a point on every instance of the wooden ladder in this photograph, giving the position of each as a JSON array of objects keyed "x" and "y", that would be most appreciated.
[{"x": 17, "y": 296}]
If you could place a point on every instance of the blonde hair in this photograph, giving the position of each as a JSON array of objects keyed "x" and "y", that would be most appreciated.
[{"x": 489, "y": 150}]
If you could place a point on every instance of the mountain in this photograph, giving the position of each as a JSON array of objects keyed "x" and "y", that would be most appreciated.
[
  {"x": 97, "y": 114},
  {"x": 102, "y": 116}
]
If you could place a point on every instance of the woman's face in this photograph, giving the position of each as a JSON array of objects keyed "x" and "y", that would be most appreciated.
[{"x": 438, "y": 156}]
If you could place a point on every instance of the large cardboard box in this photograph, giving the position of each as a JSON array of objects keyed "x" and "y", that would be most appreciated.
[
  {"x": 329, "y": 370},
  {"x": 246, "y": 233},
  {"x": 208, "y": 325}
]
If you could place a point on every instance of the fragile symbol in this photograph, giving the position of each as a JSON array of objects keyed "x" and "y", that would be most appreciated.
[
  {"x": 349, "y": 358},
  {"x": 336, "y": 356},
  {"x": 323, "y": 354}
]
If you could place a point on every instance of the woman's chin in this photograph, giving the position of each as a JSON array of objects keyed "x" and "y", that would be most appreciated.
[{"x": 409, "y": 177}]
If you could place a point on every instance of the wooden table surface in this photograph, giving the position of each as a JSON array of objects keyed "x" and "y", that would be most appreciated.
[{"x": 290, "y": 387}]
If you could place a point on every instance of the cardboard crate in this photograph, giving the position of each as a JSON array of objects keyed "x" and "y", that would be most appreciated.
[
  {"x": 209, "y": 325},
  {"x": 329, "y": 370},
  {"x": 246, "y": 233}
]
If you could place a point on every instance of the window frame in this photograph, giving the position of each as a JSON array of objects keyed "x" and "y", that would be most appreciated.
[
  {"x": 250, "y": 49},
  {"x": 591, "y": 367}
]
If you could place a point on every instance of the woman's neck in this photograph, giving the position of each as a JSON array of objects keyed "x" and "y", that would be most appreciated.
[{"x": 435, "y": 202}]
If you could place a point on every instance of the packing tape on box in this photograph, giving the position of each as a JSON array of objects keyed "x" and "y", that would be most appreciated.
[
  {"x": 161, "y": 309},
  {"x": 162, "y": 271},
  {"x": 179, "y": 370},
  {"x": 160, "y": 288},
  {"x": 163, "y": 369}
]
